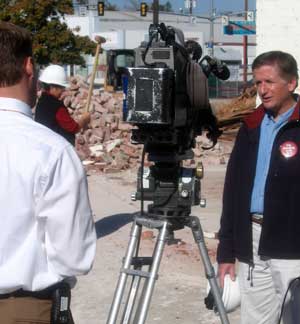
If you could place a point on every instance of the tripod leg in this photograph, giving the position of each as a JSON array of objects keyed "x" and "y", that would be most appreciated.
[
  {"x": 131, "y": 299},
  {"x": 137, "y": 274},
  {"x": 144, "y": 303},
  {"x": 195, "y": 226},
  {"x": 134, "y": 238}
]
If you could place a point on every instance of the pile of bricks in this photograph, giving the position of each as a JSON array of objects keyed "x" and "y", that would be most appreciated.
[{"x": 105, "y": 145}]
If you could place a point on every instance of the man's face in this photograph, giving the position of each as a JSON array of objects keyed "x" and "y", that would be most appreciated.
[
  {"x": 274, "y": 91},
  {"x": 56, "y": 91}
]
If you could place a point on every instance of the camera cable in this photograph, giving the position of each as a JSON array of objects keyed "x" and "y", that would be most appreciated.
[
  {"x": 137, "y": 248},
  {"x": 141, "y": 179},
  {"x": 144, "y": 54}
]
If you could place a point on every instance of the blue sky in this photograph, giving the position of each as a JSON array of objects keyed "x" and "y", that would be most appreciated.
[{"x": 203, "y": 6}]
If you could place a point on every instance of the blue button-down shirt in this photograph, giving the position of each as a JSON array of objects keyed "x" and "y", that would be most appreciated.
[{"x": 268, "y": 132}]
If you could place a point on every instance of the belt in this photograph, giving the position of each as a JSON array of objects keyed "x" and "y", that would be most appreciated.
[
  {"x": 23, "y": 293},
  {"x": 41, "y": 294},
  {"x": 257, "y": 218}
]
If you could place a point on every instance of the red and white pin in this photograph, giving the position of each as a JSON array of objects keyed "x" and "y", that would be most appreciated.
[{"x": 288, "y": 149}]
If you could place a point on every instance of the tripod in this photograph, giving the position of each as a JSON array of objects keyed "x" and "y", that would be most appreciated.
[{"x": 167, "y": 214}]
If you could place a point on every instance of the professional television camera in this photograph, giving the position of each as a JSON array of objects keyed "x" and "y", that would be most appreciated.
[
  {"x": 167, "y": 94},
  {"x": 166, "y": 98}
]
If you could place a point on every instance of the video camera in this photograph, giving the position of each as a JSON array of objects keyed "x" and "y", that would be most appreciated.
[
  {"x": 167, "y": 94},
  {"x": 166, "y": 98}
]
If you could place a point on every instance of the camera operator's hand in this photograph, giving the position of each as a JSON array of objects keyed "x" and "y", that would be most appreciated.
[{"x": 84, "y": 120}]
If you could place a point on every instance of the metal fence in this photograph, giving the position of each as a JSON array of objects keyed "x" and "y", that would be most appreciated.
[{"x": 230, "y": 88}]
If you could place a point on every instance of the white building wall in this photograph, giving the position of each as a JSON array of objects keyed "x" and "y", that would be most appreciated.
[
  {"x": 114, "y": 39},
  {"x": 278, "y": 26},
  {"x": 79, "y": 25},
  {"x": 133, "y": 38}
]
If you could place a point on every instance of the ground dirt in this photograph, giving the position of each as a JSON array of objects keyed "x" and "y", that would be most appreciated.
[{"x": 181, "y": 287}]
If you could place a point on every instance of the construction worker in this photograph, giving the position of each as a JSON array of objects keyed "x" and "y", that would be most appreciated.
[
  {"x": 47, "y": 231},
  {"x": 51, "y": 111}
]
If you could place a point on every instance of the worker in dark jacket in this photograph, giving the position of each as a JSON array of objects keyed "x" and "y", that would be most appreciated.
[
  {"x": 50, "y": 111},
  {"x": 260, "y": 223}
]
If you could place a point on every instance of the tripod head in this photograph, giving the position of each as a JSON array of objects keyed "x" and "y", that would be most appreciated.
[{"x": 173, "y": 190}]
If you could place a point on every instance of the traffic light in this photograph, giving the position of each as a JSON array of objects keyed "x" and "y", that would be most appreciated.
[
  {"x": 100, "y": 8},
  {"x": 144, "y": 9}
]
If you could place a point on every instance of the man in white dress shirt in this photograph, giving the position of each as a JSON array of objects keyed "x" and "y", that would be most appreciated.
[{"x": 47, "y": 231}]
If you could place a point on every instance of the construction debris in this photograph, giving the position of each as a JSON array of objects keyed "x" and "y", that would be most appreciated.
[
  {"x": 105, "y": 145},
  {"x": 231, "y": 114}
]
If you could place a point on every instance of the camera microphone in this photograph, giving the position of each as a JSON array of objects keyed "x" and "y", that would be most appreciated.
[{"x": 219, "y": 69}]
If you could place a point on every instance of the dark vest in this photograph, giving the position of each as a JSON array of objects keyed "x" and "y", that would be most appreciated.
[{"x": 45, "y": 113}]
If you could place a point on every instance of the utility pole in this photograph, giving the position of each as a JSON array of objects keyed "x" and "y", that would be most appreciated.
[
  {"x": 190, "y": 4},
  {"x": 155, "y": 12},
  {"x": 211, "y": 29},
  {"x": 245, "y": 51}
]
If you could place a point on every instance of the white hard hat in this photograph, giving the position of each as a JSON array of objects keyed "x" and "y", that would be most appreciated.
[
  {"x": 231, "y": 293},
  {"x": 54, "y": 74},
  {"x": 231, "y": 296}
]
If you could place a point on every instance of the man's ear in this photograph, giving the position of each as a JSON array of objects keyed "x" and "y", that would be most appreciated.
[
  {"x": 29, "y": 66},
  {"x": 292, "y": 84}
]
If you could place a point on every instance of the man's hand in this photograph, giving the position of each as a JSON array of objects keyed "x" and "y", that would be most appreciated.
[
  {"x": 84, "y": 120},
  {"x": 226, "y": 268}
]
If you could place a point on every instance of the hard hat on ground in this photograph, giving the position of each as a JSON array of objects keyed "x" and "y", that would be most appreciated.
[
  {"x": 231, "y": 296},
  {"x": 54, "y": 74}
]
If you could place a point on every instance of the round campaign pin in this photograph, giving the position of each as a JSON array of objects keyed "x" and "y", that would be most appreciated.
[{"x": 288, "y": 149}]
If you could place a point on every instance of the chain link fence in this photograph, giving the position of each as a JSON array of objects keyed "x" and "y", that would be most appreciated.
[{"x": 232, "y": 87}]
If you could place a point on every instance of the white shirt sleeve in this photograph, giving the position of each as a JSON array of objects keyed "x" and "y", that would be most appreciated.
[{"x": 65, "y": 212}]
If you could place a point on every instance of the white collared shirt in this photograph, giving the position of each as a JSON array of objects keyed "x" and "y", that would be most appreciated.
[{"x": 47, "y": 231}]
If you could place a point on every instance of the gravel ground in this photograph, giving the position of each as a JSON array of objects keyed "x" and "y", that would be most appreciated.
[{"x": 181, "y": 287}]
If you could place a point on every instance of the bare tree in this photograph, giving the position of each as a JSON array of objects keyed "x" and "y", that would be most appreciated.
[
  {"x": 167, "y": 7},
  {"x": 133, "y": 5},
  {"x": 109, "y": 6}
]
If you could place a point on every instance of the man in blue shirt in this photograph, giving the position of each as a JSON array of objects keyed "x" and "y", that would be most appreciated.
[{"x": 260, "y": 223}]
